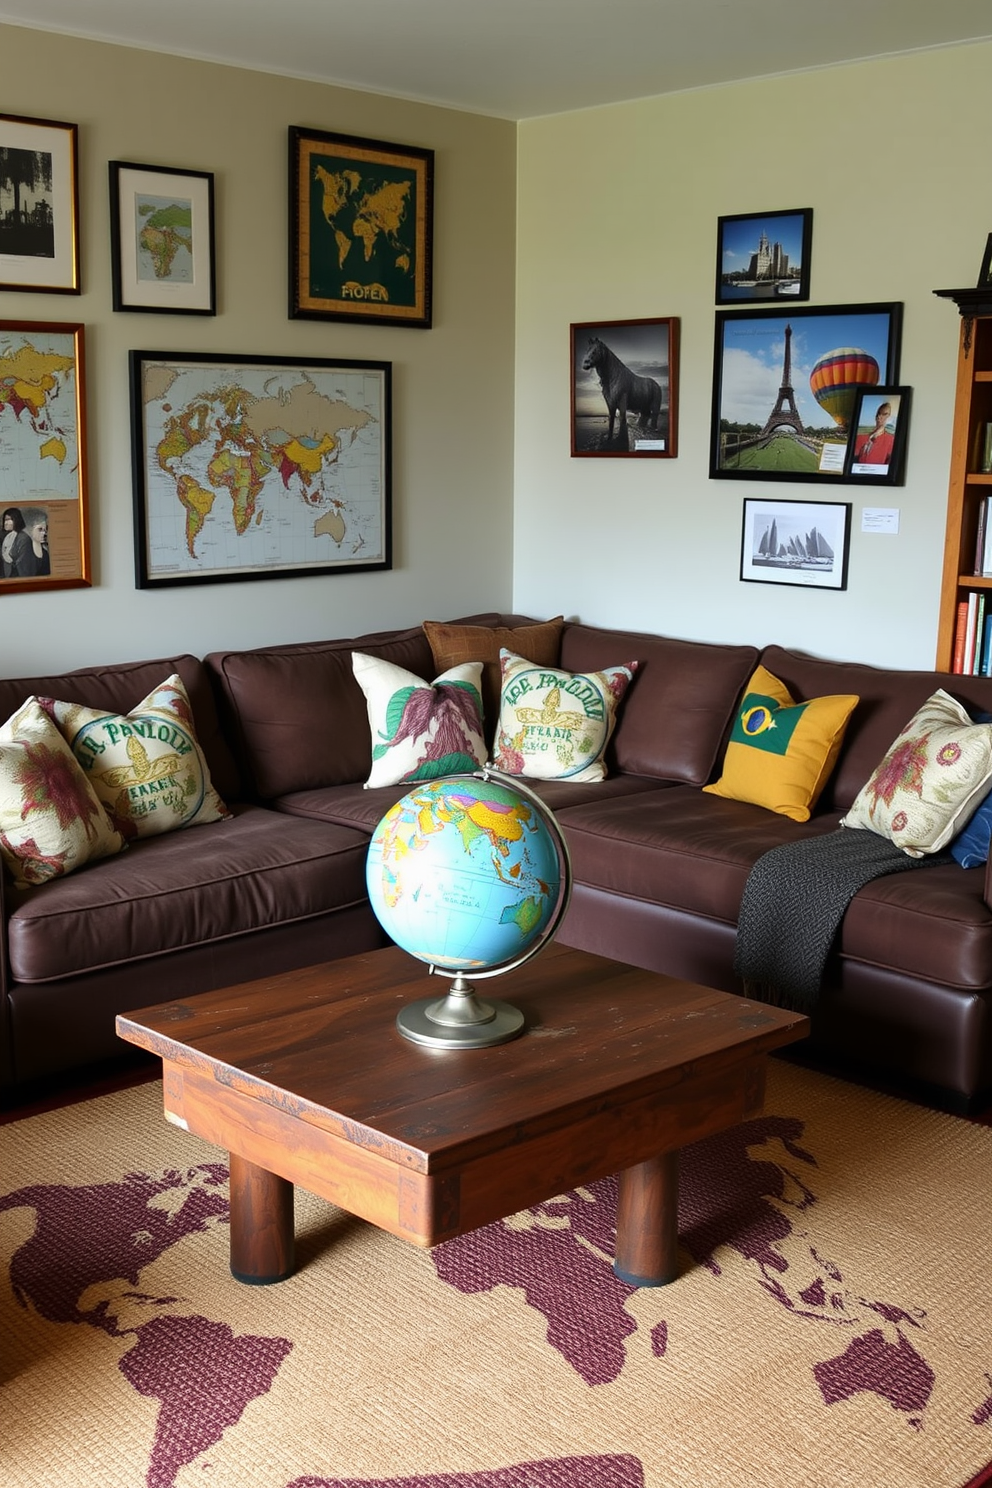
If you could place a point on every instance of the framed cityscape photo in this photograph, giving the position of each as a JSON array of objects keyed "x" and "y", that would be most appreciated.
[
  {"x": 625, "y": 381},
  {"x": 785, "y": 384},
  {"x": 361, "y": 216},
  {"x": 162, "y": 239},
  {"x": 43, "y": 512},
  {"x": 876, "y": 451},
  {"x": 39, "y": 206},
  {"x": 258, "y": 467},
  {"x": 763, "y": 256},
  {"x": 796, "y": 542}
]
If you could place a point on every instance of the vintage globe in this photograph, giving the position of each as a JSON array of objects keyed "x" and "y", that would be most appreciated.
[{"x": 468, "y": 873}]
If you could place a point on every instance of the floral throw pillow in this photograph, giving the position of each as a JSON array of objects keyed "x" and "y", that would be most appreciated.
[
  {"x": 51, "y": 821},
  {"x": 146, "y": 766},
  {"x": 553, "y": 724},
  {"x": 930, "y": 782},
  {"x": 421, "y": 730}
]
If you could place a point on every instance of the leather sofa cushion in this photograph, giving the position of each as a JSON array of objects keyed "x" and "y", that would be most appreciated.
[
  {"x": 189, "y": 888},
  {"x": 678, "y": 709}
]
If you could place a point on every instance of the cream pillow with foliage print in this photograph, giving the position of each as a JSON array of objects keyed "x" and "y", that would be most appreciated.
[{"x": 146, "y": 766}]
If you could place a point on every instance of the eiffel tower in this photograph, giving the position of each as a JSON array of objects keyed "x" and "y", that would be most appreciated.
[{"x": 785, "y": 413}]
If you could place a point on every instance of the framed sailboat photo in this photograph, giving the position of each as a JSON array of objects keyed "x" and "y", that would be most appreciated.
[{"x": 796, "y": 542}]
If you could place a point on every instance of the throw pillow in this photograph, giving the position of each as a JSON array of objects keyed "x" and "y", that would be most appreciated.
[
  {"x": 780, "y": 752},
  {"x": 146, "y": 767},
  {"x": 553, "y": 724},
  {"x": 932, "y": 779},
  {"x": 50, "y": 819},
  {"x": 421, "y": 730},
  {"x": 451, "y": 645},
  {"x": 971, "y": 847}
]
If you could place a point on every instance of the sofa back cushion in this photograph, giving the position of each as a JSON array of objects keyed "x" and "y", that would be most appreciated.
[
  {"x": 677, "y": 713},
  {"x": 118, "y": 688},
  {"x": 888, "y": 700}
]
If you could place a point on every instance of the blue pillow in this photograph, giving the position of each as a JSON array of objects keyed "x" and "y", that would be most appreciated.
[{"x": 971, "y": 846}]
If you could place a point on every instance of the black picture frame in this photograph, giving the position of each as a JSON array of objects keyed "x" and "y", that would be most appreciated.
[
  {"x": 876, "y": 453},
  {"x": 163, "y": 259},
  {"x": 985, "y": 272},
  {"x": 777, "y": 247},
  {"x": 269, "y": 500},
  {"x": 39, "y": 224},
  {"x": 623, "y": 370},
  {"x": 819, "y": 358},
  {"x": 349, "y": 260},
  {"x": 803, "y": 543}
]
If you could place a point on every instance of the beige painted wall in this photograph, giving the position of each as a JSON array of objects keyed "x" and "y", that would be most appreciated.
[
  {"x": 453, "y": 419},
  {"x": 617, "y": 211}
]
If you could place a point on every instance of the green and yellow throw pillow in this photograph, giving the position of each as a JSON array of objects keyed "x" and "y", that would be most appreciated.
[{"x": 781, "y": 752}]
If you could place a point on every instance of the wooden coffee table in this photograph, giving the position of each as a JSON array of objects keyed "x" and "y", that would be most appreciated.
[{"x": 304, "y": 1079}]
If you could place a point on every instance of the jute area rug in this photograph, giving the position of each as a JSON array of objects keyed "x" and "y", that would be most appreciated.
[{"x": 832, "y": 1324}]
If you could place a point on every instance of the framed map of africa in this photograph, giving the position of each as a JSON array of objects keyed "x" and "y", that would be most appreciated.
[
  {"x": 258, "y": 467},
  {"x": 360, "y": 229}
]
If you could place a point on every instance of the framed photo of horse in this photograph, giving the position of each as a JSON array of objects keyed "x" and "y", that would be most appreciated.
[{"x": 625, "y": 379}]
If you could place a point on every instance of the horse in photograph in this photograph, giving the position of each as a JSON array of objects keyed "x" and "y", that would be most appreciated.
[{"x": 624, "y": 391}]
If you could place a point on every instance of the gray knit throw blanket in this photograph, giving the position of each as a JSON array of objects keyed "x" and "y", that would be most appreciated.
[{"x": 794, "y": 900}]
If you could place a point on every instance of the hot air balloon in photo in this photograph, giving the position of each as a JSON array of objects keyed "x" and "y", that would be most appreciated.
[{"x": 837, "y": 377}]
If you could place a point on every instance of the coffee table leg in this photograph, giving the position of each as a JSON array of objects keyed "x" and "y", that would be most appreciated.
[
  {"x": 647, "y": 1222},
  {"x": 261, "y": 1224}
]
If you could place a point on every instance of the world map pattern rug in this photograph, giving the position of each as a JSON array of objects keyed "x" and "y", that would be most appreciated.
[{"x": 831, "y": 1324}]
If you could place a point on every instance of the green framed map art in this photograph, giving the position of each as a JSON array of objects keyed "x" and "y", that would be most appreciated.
[
  {"x": 258, "y": 467},
  {"x": 361, "y": 229},
  {"x": 45, "y": 539}
]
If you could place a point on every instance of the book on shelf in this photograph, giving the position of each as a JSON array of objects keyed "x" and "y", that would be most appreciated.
[
  {"x": 986, "y": 568},
  {"x": 980, "y": 531},
  {"x": 960, "y": 626},
  {"x": 986, "y": 450},
  {"x": 969, "y": 633},
  {"x": 979, "y": 634},
  {"x": 986, "y": 669}
]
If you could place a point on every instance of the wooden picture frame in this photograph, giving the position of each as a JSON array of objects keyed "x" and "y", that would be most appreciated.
[
  {"x": 43, "y": 459},
  {"x": 819, "y": 358},
  {"x": 162, "y": 239},
  {"x": 361, "y": 216},
  {"x": 624, "y": 388},
  {"x": 876, "y": 451},
  {"x": 804, "y": 543},
  {"x": 762, "y": 256},
  {"x": 258, "y": 467},
  {"x": 39, "y": 205}
]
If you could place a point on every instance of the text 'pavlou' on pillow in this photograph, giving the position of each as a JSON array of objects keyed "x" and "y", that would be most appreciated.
[
  {"x": 51, "y": 821},
  {"x": 930, "y": 782},
  {"x": 553, "y": 724},
  {"x": 780, "y": 752},
  {"x": 421, "y": 730},
  {"x": 146, "y": 766}
]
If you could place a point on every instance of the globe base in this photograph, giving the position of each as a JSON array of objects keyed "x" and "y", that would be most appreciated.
[{"x": 460, "y": 1020}]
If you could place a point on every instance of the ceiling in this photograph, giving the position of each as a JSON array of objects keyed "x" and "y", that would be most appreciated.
[{"x": 517, "y": 59}]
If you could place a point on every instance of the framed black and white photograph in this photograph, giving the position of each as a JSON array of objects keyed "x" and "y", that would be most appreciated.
[
  {"x": 625, "y": 378},
  {"x": 796, "y": 542},
  {"x": 764, "y": 256},
  {"x": 876, "y": 453},
  {"x": 39, "y": 206},
  {"x": 162, "y": 239},
  {"x": 785, "y": 385}
]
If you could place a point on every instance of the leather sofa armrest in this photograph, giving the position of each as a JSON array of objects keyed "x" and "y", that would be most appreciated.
[{"x": 988, "y": 883}]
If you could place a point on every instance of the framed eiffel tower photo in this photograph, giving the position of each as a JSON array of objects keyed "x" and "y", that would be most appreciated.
[{"x": 786, "y": 385}]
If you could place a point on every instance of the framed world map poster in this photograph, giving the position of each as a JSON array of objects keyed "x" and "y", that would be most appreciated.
[
  {"x": 258, "y": 467},
  {"x": 361, "y": 229},
  {"x": 45, "y": 540}
]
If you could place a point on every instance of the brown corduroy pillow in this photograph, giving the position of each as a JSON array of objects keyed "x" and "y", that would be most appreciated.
[{"x": 453, "y": 645}]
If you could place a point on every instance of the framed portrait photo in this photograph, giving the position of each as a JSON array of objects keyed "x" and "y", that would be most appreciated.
[
  {"x": 361, "y": 217},
  {"x": 796, "y": 542},
  {"x": 785, "y": 384},
  {"x": 876, "y": 451},
  {"x": 625, "y": 380},
  {"x": 43, "y": 511},
  {"x": 39, "y": 206},
  {"x": 764, "y": 256},
  {"x": 258, "y": 467},
  {"x": 162, "y": 239}
]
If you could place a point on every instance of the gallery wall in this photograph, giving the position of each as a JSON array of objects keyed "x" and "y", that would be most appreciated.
[
  {"x": 452, "y": 384},
  {"x": 617, "y": 213}
]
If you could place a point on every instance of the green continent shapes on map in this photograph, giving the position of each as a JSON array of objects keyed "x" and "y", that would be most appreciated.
[{"x": 166, "y": 231}]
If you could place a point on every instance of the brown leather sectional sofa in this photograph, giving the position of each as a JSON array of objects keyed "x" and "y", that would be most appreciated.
[{"x": 659, "y": 866}]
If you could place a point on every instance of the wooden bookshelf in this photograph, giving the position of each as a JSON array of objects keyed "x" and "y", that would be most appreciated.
[{"x": 968, "y": 484}]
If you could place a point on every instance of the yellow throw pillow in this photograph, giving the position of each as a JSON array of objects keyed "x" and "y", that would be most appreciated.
[
  {"x": 146, "y": 767},
  {"x": 781, "y": 752},
  {"x": 50, "y": 819}
]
